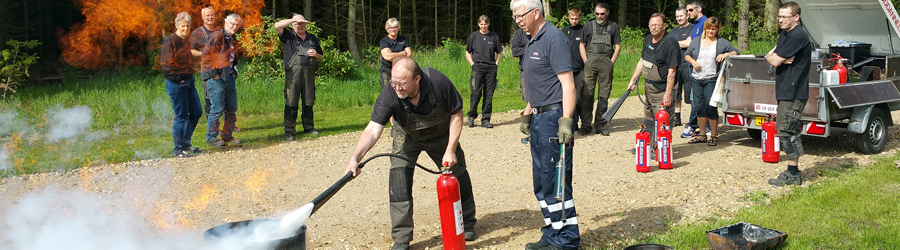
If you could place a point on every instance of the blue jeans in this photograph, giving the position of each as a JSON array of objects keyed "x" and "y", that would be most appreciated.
[
  {"x": 702, "y": 93},
  {"x": 223, "y": 97},
  {"x": 544, "y": 155},
  {"x": 186, "y": 104}
]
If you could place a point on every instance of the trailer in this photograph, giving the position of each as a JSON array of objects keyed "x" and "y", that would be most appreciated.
[{"x": 862, "y": 106}]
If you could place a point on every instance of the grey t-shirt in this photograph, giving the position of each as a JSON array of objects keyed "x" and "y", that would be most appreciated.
[{"x": 547, "y": 54}]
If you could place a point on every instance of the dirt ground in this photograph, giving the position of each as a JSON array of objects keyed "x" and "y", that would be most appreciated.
[{"x": 615, "y": 203}]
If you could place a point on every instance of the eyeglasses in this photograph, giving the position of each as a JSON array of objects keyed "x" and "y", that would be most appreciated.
[
  {"x": 690, "y": 10},
  {"x": 401, "y": 85},
  {"x": 600, "y": 13},
  {"x": 785, "y": 17},
  {"x": 522, "y": 16}
]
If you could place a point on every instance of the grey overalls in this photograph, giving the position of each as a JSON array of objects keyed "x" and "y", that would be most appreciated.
[
  {"x": 300, "y": 83},
  {"x": 597, "y": 70},
  {"x": 429, "y": 133}
]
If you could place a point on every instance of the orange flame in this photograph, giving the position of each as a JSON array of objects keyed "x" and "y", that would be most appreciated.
[
  {"x": 255, "y": 182},
  {"x": 114, "y": 30},
  {"x": 207, "y": 194}
]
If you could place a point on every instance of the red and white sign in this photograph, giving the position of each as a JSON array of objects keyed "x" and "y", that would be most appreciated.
[
  {"x": 765, "y": 108},
  {"x": 891, "y": 14}
]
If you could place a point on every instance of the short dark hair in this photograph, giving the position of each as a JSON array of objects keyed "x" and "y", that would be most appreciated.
[
  {"x": 682, "y": 9},
  {"x": 660, "y": 15},
  {"x": 793, "y": 6},
  {"x": 695, "y": 3},
  {"x": 484, "y": 18},
  {"x": 602, "y": 5}
]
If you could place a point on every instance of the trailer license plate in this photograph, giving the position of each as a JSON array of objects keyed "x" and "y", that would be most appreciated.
[{"x": 759, "y": 120}]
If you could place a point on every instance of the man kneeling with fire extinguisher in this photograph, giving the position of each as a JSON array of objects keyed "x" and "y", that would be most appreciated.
[
  {"x": 428, "y": 108},
  {"x": 660, "y": 56}
]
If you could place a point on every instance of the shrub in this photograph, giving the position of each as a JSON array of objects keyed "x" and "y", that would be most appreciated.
[
  {"x": 371, "y": 55},
  {"x": 632, "y": 38},
  {"x": 14, "y": 64}
]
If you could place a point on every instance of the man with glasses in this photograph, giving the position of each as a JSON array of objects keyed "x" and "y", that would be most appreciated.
[
  {"x": 573, "y": 31},
  {"x": 428, "y": 108},
  {"x": 695, "y": 11},
  {"x": 791, "y": 58},
  {"x": 682, "y": 33},
  {"x": 302, "y": 53},
  {"x": 220, "y": 65},
  {"x": 548, "y": 120},
  {"x": 600, "y": 45},
  {"x": 659, "y": 58}
]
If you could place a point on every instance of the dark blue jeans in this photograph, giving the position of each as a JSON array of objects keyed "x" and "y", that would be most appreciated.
[
  {"x": 186, "y": 104},
  {"x": 544, "y": 155},
  {"x": 703, "y": 90},
  {"x": 223, "y": 97}
]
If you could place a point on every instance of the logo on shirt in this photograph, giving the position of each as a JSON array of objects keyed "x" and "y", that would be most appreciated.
[
  {"x": 491, "y": 43},
  {"x": 578, "y": 39},
  {"x": 534, "y": 53}
]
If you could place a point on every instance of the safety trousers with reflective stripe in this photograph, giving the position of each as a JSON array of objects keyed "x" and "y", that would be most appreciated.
[{"x": 558, "y": 231}]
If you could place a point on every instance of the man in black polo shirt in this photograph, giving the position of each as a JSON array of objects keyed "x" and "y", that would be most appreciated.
[
  {"x": 659, "y": 58},
  {"x": 302, "y": 54},
  {"x": 483, "y": 53},
  {"x": 573, "y": 32},
  {"x": 791, "y": 58},
  {"x": 548, "y": 119},
  {"x": 426, "y": 105},
  {"x": 682, "y": 33}
]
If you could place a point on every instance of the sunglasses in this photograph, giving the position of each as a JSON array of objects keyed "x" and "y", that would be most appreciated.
[{"x": 600, "y": 13}]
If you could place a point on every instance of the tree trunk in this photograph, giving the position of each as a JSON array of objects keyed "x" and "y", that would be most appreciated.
[
  {"x": 436, "y": 41},
  {"x": 729, "y": 6},
  {"x": 744, "y": 26},
  {"x": 623, "y": 13},
  {"x": 307, "y": 10},
  {"x": 351, "y": 29},
  {"x": 771, "y": 15},
  {"x": 547, "y": 11},
  {"x": 273, "y": 9},
  {"x": 415, "y": 34},
  {"x": 455, "y": 23}
]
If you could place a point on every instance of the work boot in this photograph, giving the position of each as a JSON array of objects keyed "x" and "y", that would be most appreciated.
[
  {"x": 194, "y": 150},
  {"x": 470, "y": 122},
  {"x": 486, "y": 124},
  {"x": 786, "y": 178},
  {"x": 536, "y": 245},
  {"x": 215, "y": 143},
  {"x": 584, "y": 131},
  {"x": 311, "y": 131},
  {"x": 183, "y": 154},
  {"x": 602, "y": 131},
  {"x": 676, "y": 121},
  {"x": 288, "y": 136},
  {"x": 400, "y": 246},
  {"x": 470, "y": 235}
]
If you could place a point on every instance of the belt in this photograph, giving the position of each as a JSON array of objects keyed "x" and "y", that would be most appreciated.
[{"x": 543, "y": 109}]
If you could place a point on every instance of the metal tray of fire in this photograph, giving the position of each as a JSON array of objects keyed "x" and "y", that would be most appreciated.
[
  {"x": 744, "y": 236},
  {"x": 254, "y": 235}
]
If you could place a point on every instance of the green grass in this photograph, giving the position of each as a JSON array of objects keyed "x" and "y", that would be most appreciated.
[{"x": 857, "y": 209}]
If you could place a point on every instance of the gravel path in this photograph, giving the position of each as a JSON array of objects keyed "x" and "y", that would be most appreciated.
[{"x": 616, "y": 204}]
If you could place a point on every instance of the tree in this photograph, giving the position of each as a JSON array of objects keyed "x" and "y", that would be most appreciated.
[
  {"x": 771, "y": 14},
  {"x": 351, "y": 29},
  {"x": 307, "y": 9},
  {"x": 744, "y": 25},
  {"x": 729, "y": 6},
  {"x": 623, "y": 12}
]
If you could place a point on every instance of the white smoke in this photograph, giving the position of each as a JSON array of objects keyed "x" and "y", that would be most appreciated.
[
  {"x": 5, "y": 163},
  {"x": 68, "y": 123}
]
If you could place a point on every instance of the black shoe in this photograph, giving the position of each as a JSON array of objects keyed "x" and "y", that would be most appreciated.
[
  {"x": 400, "y": 246},
  {"x": 584, "y": 131},
  {"x": 486, "y": 124},
  {"x": 676, "y": 121},
  {"x": 470, "y": 235},
  {"x": 183, "y": 154},
  {"x": 288, "y": 136},
  {"x": 602, "y": 131},
  {"x": 470, "y": 122},
  {"x": 536, "y": 245},
  {"x": 786, "y": 178},
  {"x": 194, "y": 150},
  {"x": 311, "y": 131}
]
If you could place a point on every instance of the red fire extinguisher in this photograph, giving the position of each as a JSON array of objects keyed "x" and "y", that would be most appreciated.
[
  {"x": 642, "y": 150},
  {"x": 664, "y": 148},
  {"x": 770, "y": 144},
  {"x": 451, "y": 210},
  {"x": 662, "y": 119},
  {"x": 839, "y": 67}
]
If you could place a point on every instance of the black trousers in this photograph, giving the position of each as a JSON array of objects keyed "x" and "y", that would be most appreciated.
[{"x": 483, "y": 83}]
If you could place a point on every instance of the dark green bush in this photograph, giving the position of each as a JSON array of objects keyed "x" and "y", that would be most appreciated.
[{"x": 14, "y": 63}]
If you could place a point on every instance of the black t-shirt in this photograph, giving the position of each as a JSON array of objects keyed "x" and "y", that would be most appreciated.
[
  {"x": 574, "y": 34},
  {"x": 175, "y": 59},
  {"x": 547, "y": 54},
  {"x": 484, "y": 47},
  {"x": 667, "y": 53},
  {"x": 792, "y": 80},
  {"x": 397, "y": 45},
  {"x": 609, "y": 27},
  {"x": 290, "y": 42},
  {"x": 681, "y": 34},
  {"x": 517, "y": 45},
  {"x": 388, "y": 103}
]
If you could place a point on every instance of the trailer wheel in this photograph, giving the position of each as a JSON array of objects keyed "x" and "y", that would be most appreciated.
[
  {"x": 873, "y": 139},
  {"x": 755, "y": 134}
]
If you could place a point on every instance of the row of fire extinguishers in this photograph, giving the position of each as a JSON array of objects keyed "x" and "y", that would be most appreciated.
[{"x": 642, "y": 152}]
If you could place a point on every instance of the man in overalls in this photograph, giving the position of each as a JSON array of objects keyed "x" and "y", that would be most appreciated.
[
  {"x": 428, "y": 108},
  {"x": 600, "y": 45},
  {"x": 302, "y": 54},
  {"x": 659, "y": 57}
]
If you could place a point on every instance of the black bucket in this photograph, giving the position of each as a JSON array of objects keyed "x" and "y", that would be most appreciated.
[
  {"x": 648, "y": 247},
  {"x": 239, "y": 236}
]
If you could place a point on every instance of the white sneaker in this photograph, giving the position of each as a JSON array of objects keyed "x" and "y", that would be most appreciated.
[{"x": 688, "y": 132}]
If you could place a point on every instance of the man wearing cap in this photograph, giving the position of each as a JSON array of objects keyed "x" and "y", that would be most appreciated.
[{"x": 302, "y": 53}]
